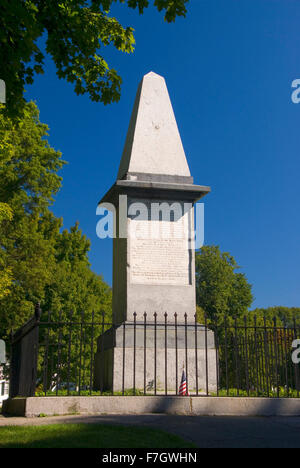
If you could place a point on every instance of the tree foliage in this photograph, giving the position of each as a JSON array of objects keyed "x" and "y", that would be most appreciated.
[
  {"x": 38, "y": 262},
  {"x": 5, "y": 272},
  {"x": 75, "y": 32},
  {"x": 75, "y": 288},
  {"x": 28, "y": 183},
  {"x": 220, "y": 289},
  {"x": 284, "y": 316}
]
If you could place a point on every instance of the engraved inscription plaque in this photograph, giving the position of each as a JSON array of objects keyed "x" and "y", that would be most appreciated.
[{"x": 162, "y": 258}]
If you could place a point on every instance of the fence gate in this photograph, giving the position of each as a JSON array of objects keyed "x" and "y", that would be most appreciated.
[{"x": 24, "y": 356}]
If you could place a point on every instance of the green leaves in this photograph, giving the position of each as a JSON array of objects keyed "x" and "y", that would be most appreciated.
[
  {"x": 5, "y": 212},
  {"x": 173, "y": 8},
  {"x": 75, "y": 32},
  {"x": 6, "y": 215},
  {"x": 37, "y": 261},
  {"x": 19, "y": 31},
  {"x": 220, "y": 289}
]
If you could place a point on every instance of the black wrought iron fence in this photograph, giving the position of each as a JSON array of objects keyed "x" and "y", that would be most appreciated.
[
  {"x": 257, "y": 360},
  {"x": 80, "y": 355}
]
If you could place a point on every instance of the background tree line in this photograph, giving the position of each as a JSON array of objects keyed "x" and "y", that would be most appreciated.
[
  {"x": 38, "y": 261},
  {"x": 223, "y": 291}
]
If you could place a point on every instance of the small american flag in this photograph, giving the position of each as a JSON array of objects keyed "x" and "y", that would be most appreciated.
[{"x": 183, "y": 390}]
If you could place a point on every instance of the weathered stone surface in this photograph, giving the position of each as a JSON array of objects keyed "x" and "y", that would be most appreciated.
[
  {"x": 153, "y": 143},
  {"x": 162, "y": 278},
  {"x": 110, "y": 362},
  {"x": 163, "y": 358},
  {"x": 2, "y": 353},
  {"x": 2, "y": 92},
  {"x": 180, "y": 337},
  {"x": 193, "y": 406}
]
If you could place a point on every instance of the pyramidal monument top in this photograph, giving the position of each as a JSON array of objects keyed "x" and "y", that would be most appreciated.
[
  {"x": 153, "y": 161},
  {"x": 153, "y": 144}
]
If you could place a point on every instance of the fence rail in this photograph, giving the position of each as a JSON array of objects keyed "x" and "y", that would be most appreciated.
[{"x": 75, "y": 355}]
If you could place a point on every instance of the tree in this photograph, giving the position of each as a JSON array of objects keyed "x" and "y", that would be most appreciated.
[
  {"x": 28, "y": 183},
  {"x": 5, "y": 272},
  {"x": 77, "y": 294},
  {"x": 75, "y": 30},
  {"x": 220, "y": 289},
  {"x": 283, "y": 315},
  {"x": 74, "y": 287},
  {"x": 37, "y": 261}
]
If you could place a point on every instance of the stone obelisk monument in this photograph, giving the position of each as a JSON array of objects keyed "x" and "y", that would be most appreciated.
[{"x": 153, "y": 257}]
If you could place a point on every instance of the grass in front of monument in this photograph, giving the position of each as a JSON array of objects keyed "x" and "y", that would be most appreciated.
[
  {"x": 88, "y": 436},
  {"x": 233, "y": 392},
  {"x": 130, "y": 392}
]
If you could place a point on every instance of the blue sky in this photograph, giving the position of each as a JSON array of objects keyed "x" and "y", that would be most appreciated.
[{"x": 229, "y": 67}]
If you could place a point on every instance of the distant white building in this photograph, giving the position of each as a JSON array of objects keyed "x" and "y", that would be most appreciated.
[{"x": 4, "y": 387}]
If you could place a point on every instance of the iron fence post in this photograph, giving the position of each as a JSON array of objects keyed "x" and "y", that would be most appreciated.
[{"x": 24, "y": 357}]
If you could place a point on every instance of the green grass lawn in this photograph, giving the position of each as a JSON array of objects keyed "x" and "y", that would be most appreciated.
[
  {"x": 128, "y": 392},
  {"x": 87, "y": 436},
  {"x": 233, "y": 392}
]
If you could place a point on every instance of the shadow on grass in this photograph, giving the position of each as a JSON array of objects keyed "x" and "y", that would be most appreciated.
[{"x": 87, "y": 436}]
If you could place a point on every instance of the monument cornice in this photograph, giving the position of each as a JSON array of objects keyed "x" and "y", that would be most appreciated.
[{"x": 156, "y": 190}]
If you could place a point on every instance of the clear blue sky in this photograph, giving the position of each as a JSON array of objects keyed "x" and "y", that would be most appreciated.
[{"x": 229, "y": 67}]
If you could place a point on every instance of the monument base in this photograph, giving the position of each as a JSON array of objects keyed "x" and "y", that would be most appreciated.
[{"x": 154, "y": 357}]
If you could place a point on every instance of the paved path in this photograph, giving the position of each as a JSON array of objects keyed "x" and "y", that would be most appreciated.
[{"x": 206, "y": 432}]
